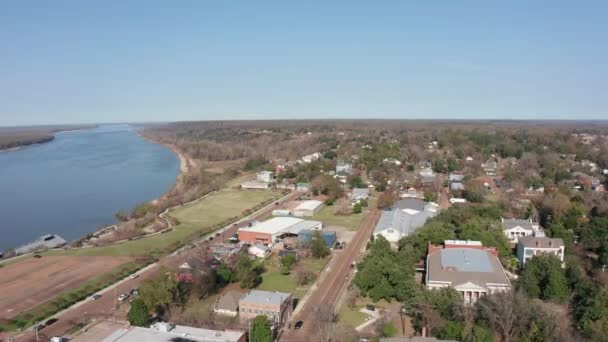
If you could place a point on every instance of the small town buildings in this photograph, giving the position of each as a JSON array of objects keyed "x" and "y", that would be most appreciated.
[
  {"x": 189, "y": 269},
  {"x": 281, "y": 212},
  {"x": 412, "y": 193},
  {"x": 530, "y": 246},
  {"x": 489, "y": 167},
  {"x": 359, "y": 194},
  {"x": 303, "y": 186},
  {"x": 268, "y": 231},
  {"x": 44, "y": 242},
  {"x": 344, "y": 167},
  {"x": 277, "y": 306},
  {"x": 259, "y": 251},
  {"x": 265, "y": 176},
  {"x": 308, "y": 208},
  {"x": 162, "y": 332},
  {"x": 228, "y": 304},
  {"x": 224, "y": 251},
  {"x": 455, "y": 177},
  {"x": 305, "y": 237},
  {"x": 404, "y": 218},
  {"x": 514, "y": 229},
  {"x": 468, "y": 267}
]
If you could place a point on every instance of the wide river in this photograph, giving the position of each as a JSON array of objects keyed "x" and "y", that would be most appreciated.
[{"x": 77, "y": 182}]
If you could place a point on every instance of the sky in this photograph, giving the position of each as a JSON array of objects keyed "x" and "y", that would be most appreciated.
[{"x": 138, "y": 61}]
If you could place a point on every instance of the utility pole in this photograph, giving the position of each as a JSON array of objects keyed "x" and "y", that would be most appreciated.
[{"x": 36, "y": 330}]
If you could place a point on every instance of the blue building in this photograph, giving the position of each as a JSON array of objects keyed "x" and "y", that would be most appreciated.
[{"x": 305, "y": 236}]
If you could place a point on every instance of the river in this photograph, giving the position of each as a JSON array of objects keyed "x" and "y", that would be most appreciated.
[{"x": 77, "y": 182}]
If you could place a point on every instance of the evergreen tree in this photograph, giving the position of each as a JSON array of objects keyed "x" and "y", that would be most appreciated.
[
  {"x": 318, "y": 246},
  {"x": 260, "y": 330},
  {"x": 138, "y": 315}
]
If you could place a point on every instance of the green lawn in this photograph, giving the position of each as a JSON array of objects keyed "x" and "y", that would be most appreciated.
[
  {"x": 351, "y": 316},
  {"x": 220, "y": 206},
  {"x": 238, "y": 180},
  {"x": 201, "y": 216},
  {"x": 273, "y": 280},
  {"x": 327, "y": 216}
]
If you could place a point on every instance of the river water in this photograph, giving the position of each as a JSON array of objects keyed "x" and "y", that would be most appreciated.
[{"x": 77, "y": 182}]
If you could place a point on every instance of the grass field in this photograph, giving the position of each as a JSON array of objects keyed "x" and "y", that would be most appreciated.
[
  {"x": 238, "y": 180},
  {"x": 200, "y": 216},
  {"x": 327, "y": 216},
  {"x": 273, "y": 280},
  {"x": 351, "y": 316}
]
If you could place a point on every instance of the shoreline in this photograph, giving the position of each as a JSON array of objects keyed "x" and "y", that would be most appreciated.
[{"x": 186, "y": 165}]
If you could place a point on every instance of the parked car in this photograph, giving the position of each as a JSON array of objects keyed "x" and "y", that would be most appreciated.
[
  {"x": 298, "y": 325},
  {"x": 134, "y": 292},
  {"x": 50, "y": 321},
  {"x": 37, "y": 256},
  {"x": 218, "y": 234},
  {"x": 96, "y": 297},
  {"x": 123, "y": 297},
  {"x": 370, "y": 307},
  {"x": 58, "y": 339},
  {"x": 134, "y": 276},
  {"x": 210, "y": 238}
]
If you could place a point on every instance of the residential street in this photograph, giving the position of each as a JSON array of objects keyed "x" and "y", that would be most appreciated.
[{"x": 314, "y": 311}]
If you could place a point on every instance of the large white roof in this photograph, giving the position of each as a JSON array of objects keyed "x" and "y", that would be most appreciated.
[
  {"x": 274, "y": 225},
  {"x": 309, "y": 205}
]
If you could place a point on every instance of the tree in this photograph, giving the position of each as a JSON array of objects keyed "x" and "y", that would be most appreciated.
[
  {"x": 318, "y": 246},
  {"x": 287, "y": 263},
  {"x": 356, "y": 182},
  {"x": 330, "y": 155},
  {"x": 543, "y": 277},
  {"x": 139, "y": 314},
  {"x": 357, "y": 208},
  {"x": 224, "y": 275},
  {"x": 387, "y": 329},
  {"x": 160, "y": 292},
  {"x": 304, "y": 276},
  {"x": 121, "y": 215},
  {"x": 386, "y": 199},
  {"x": 247, "y": 272},
  {"x": 260, "y": 330}
]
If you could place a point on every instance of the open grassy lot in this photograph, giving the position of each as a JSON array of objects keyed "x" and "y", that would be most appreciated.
[
  {"x": 273, "y": 280},
  {"x": 238, "y": 180},
  {"x": 220, "y": 206},
  {"x": 351, "y": 316},
  {"x": 327, "y": 216},
  {"x": 202, "y": 216}
]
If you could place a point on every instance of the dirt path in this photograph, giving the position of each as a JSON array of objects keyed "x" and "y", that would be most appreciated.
[{"x": 328, "y": 289}]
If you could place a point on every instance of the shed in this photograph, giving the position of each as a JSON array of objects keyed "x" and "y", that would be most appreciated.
[{"x": 329, "y": 236}]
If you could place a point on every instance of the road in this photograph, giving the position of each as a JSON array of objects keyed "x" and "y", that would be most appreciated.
[
  {"x": 330, "y": 286},
  {"x": 443, "y": 198},
  {"x": 105, "y": 306}
]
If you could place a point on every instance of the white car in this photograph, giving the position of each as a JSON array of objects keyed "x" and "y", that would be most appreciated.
[
  {"x": 123, "y": 297},
  {"x": 134, "y": 275}
]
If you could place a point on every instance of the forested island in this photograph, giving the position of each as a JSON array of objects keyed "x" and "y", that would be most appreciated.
[{"x": 17, "y": 137}]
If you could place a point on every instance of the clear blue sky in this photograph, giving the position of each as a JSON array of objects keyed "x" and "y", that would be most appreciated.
[{"x": 109, "y": 61}]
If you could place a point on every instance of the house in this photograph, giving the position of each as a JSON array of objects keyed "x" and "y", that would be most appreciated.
[
  {"x": 303, "y": 186},
  {"x": 224, "y": 251},
  {"x": 404, "y": 218},
  {"x": 162, "y": 332},
  {"x": 268, "y": 231},
  {"x": 489, "y": 167},
  {"x": 310, "y": 158},
  {"x": 412, "y": 193},
  {"x": 277, "y": 306},
  {"x": 228, "y": 304},
  {"x": 529, "y": 246},
  {"x": 393, "y": 161},
  {"x": 265, "y": 176},
  {"x": 305, "y": 237},
  {"x": 514, "y": 229},
  {"x": 343, "y": 167},
  {"x": 467, "y": 266},
  {"x": 259, "y": 251},
  {"x": 456, "y": 186},
  {"x": 359, "y": 194},
  {"x": 455, "y": 177},
  {"x": 308, "y": 208}
]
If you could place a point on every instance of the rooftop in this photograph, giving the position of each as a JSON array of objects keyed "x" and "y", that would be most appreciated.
[
  {"x": 406, "y": 216},
  {"x": 540, "y": 242},
  {"x": 164, "y": 332},
  {"x": 274, "y": 225},
  {"x": 513, "y": 223},
  {"x": 460, "y": 265},
  {"x": 309, "y": 205},
  {"x": 265, "y": 297},
  {"x": 229, "y": 301}
]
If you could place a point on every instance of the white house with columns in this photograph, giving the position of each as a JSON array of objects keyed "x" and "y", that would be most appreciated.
[
  {"x": 514, "y": 229},
  {"x": 467, "y": 266}
]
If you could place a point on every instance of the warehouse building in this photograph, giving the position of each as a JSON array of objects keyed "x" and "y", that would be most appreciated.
[
  {"x": 305, "y": 237},
  {"x": 276, "y": 228},
  {"x": 308, "y": 208}
]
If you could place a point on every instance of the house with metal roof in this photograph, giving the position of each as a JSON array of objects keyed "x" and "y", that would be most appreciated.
[
  {"x": 163, "y": 332},
  {"x": 530, "y": 246},
  {"x": 404, "y": 218},
  {"x": 268, "y": 231},
  {"x": 514, "y": 229},
  {"x": 468, "y": 267},
  {"x": 359, "y": 194},
  {"x": 277, "y": 306}
]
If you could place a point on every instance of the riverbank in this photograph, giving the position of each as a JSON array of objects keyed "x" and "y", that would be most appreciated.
[{"x": 16, "y": 138}]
